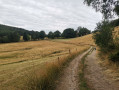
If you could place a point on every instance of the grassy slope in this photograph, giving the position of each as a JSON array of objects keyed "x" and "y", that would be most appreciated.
[
  {"x": 18, "y": 59},
  {"x": 111, "y": 68}
]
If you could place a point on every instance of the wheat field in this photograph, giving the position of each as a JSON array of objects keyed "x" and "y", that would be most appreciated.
[{"x": 18, "y": 59}]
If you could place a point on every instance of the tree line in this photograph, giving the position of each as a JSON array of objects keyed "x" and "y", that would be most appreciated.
[{"x": 13, "y": 34}]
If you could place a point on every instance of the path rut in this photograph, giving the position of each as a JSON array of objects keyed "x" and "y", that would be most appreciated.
[
  {"x": 69, "y": 79},
  {"x": 95, "y": 76}
]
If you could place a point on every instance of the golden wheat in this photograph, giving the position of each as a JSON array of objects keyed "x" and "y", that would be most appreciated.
[{"x": 17, "y": 59}]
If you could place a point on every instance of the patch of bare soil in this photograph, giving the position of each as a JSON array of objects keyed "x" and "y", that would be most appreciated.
[
  {"x": 69, "y": 79},
  {"x": 96, "y": 78}
]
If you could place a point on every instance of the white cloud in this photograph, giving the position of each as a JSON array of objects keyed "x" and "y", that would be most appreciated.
[{"x": 48, "y": 14}]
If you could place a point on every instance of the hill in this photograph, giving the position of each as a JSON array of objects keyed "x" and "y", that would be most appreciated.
[
  {"x": 4, "y": 29},
  {"x": 12, "y": 34},
  {"x": 19, "y": 59}
]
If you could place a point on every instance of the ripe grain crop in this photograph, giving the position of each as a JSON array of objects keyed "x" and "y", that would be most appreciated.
[{"x": 17, "y": 60}]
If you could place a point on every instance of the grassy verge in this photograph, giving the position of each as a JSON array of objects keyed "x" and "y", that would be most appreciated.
[
  {"x": 82, "y": 81},
  {"x": 45, "y": 78}
]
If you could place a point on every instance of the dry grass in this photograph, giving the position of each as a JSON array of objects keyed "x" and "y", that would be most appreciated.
[
  {"x": 116, "y": 35},
  {"x": 45, "y": 79},
  {"x": 19, "y": 59},
  {"x": 111, "y": 69}
]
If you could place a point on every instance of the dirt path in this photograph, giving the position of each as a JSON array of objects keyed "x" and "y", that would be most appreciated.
[
  {"x": 69, "y": 79},
  {"x": 95, "y": 76}
]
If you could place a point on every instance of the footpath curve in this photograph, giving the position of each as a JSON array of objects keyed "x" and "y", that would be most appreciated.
[{"x": 69, "y": 79}]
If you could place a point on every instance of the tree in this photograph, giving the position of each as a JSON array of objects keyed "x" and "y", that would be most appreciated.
[
  {"x": 10, "y": 37},
  {"x": 57, "y": 34},
  {"x": 37, "y": 35},
  {"x": 83, "y": 31},
  {"x": 42, "y": 34},
  {"x": 51, "y": 35},
  {"x": 69, "y": 33},
  {"x": 33, "y": 36},
  {"x": 12, "y": 34},
  {"x": 14, "y": 37},
  {"x": 4, "y": 39},
  {"x": 114, "y": 23},
  {"x": 107, "y": 7},
  {"x": 26, "y": 37},
  {"x": 103, "y": 38}
]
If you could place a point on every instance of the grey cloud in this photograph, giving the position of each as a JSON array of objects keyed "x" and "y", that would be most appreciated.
[{"x": 48, "y": 14}]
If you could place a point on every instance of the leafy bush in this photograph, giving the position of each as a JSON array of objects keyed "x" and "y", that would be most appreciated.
[
  {"x": 103, "y": 38},
  {"x": 114, "y": 57}
]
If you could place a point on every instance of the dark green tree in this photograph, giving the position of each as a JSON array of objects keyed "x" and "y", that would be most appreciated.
[
  {"x": 4, "y": 39},
  {"x": 57, "y": 34},
  {"x": 26, "y": 37},
  {"x": 14, "y": 37},
  {"x": 37, "y": 35},
  {"x": 51, "y": 35},
  {"x": 10, "y": 34},
  {"x": 83, "y": 31},
  {"x": 42, "y": 34},
  {"x": 103, "y": 37},
  {"x": 33, "y": 37},
  {"x": 69, "y": 33}
]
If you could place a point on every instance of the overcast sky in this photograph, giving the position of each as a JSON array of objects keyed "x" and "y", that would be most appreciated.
[{"x": 48, "y": 15}]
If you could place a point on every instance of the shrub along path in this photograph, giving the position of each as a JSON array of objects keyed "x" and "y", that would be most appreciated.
[
  {"x": 95, "y": 76},
  {"x": 69, "y": 79}
]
